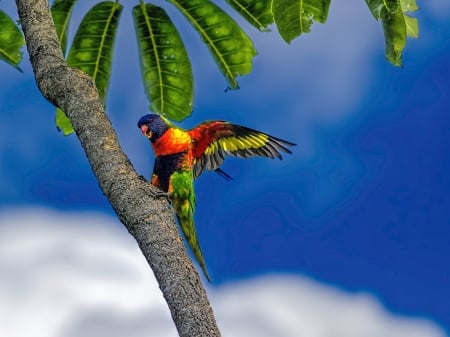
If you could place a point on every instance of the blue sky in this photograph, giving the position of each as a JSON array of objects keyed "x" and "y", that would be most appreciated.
[{"x": 361, "y": 206}]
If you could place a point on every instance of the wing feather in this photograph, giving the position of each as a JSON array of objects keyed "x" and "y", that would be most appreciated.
[{"x": 214, "y": 140}]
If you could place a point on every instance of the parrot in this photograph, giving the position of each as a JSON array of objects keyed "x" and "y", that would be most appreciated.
[{"x": 181, "y": 156}]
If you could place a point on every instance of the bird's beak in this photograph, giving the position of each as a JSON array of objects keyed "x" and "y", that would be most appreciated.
[{"x": 145, "y": 130}]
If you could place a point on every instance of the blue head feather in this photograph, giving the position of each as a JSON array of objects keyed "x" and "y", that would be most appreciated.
[{"x": 155, "y": 123}]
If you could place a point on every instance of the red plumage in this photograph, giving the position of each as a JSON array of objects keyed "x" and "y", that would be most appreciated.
[
  {"x": 206, "y": 133},
  {"x": 181, "y": 156},
  {"x": 207, "y": 145}
]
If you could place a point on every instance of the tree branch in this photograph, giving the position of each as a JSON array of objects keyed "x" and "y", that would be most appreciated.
[{"x": 149, "y": 221}]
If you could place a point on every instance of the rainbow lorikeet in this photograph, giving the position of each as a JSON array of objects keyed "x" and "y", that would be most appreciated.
[{"x": 182, "y": 155}]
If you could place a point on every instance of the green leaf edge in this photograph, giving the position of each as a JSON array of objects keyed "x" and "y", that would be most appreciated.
[
  {"x": 61, "y": 13},
  {"x": 250, "y": 16},
  {"x": 17, "y": 41},
  {"x": 218, "y": 57},
  {"x": 397, "y": 25},
  {"x": 147, "y": 86},
  {"x": 62, "y": 121},
  {"x": 115, "y": 9},
  {"x": 288, "y": 35}
]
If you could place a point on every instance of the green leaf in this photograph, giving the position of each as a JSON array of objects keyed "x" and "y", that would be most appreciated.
[
  {"x": 294, "y": 17},
  {"x": 230, "y": 47},
  {"x": 257, "y": 12},
  {"x": 394, "y": 35},
  {"x": 397, "y": 25},
  {"x": 412, "y": 26},
  {"x": 93, "y": 45},
  {"x": 92, "y": 50},
  {"x": 409, "y": 6},
  {"x": 61, "y": 13},
  {"x": 165, "y": 66},
  {"x": 63, "y": 122},
  {"x": 11, "y": 41},
  {"x": 378, "y": 7}
]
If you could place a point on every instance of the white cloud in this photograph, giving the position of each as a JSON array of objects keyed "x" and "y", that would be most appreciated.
[
  {"x": 288, "y": 306},
  {"x": 72, "y": 274}
]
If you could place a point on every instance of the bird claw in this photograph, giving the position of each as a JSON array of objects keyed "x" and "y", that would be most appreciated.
[
  {"x": 141, "y": 177},
  {"x": 161, "y": 195}
]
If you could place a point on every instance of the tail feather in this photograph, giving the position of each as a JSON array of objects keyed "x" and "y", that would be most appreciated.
[
  {"x": 188, "y": 227},
  {"x": 183, "y": 202}
]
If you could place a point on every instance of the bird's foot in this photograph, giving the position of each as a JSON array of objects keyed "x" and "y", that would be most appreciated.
[
  {"x": 141, "y": 177},
  {"x": 161, "y": 195}
]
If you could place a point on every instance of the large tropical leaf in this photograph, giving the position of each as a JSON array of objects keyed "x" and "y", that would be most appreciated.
[
  {"x": 256, "y": 12},
  {"x": 378, "y": 7},
  {"x": 92, "y": 50},
  {"x": 165, "y": 66},
  {"x": 11, "y": 41},
  {"x": 61, "y": 13},
  {"x": 231, "y": 48},
  {"x": 394, "y": 28},
  {"x": 397, "y": 25},
  {"x": 294, "y": 17},
  {"x": 93, "y": 45}
]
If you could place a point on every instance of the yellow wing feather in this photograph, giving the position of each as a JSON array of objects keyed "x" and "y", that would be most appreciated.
[{"x": 218, "y": 139}]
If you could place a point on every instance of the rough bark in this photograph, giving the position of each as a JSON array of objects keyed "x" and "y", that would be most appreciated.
[{"x": 150, "y": 221}]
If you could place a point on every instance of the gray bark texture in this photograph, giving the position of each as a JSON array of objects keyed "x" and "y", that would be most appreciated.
[{"x": 150, "y": 221}]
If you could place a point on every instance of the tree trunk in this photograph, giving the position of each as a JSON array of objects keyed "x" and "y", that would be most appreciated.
[{"x": 150, "y": 221}]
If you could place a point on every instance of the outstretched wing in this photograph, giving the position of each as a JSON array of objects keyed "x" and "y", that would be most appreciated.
[{"x": 214, "y": 140}]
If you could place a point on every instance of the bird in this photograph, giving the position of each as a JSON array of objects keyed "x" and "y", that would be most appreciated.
[{"x": 181, "y": 156}]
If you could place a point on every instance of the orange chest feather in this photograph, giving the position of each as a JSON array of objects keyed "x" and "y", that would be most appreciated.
[{"x": 171, "y": 142}]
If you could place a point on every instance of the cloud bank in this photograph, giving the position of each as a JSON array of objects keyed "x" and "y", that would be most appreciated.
[{"x": 81, "y": 274}]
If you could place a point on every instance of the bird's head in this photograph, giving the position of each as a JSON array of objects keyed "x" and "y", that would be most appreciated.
[{"x": 152, "y": 126}]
